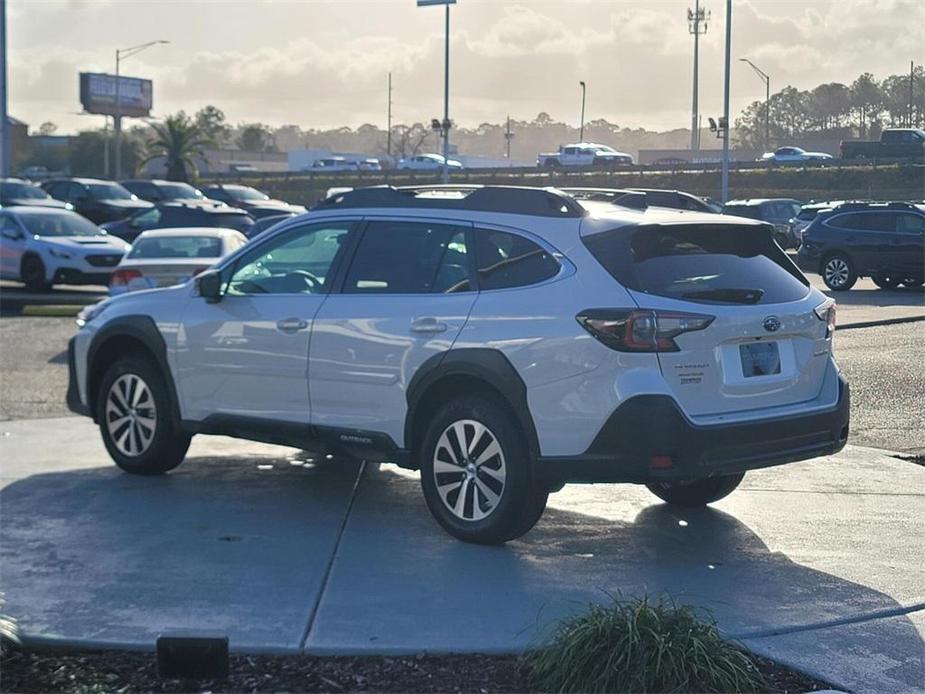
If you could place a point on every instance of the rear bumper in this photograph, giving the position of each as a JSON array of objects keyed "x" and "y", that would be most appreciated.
[
  {"x": 806, "y": 261},
  {"x": 650, "y": 426}
]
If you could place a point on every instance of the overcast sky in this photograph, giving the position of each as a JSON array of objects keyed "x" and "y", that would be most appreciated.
[{"x": 322, "y": 63}]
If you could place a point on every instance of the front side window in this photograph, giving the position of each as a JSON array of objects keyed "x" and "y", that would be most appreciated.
[
  {"x": 400, "y": 257},
  {"x": 108, "y": 191},
  {"x": 507, "y": 260},
  {"x": 147, "y": 219},
  {"x": 298, "y": 262}
]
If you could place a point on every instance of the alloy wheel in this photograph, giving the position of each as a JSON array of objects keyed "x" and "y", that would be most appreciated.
[
  {"x": 837, "y": 272},
  {"x": 469, "y": 470},
  {"x": 131, "y": 415}
]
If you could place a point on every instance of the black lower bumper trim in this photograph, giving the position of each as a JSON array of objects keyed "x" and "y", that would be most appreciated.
[
  {"x": 649, "y": 426},
  {"x": 71, "y": 276},
  {"x": 74, "y": 403}
]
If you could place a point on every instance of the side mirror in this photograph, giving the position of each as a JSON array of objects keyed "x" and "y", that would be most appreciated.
[
  {"x": 209, "y": 284},
  {"x": 14, "y": 234}
]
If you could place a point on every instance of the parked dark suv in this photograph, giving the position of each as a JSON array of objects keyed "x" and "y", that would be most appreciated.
[
  {"x": 776, "y": 211},
  {"x": 97, "y": 200},
  {"x": 883, "y": 241},
  {"x": 169, "y": 215}
]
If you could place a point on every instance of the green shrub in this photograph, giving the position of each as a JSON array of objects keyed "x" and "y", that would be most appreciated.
[{"x": 641, "y": 646}]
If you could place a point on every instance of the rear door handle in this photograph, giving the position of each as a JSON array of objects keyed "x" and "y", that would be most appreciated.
[
  {"x": 291, "y": 325},
  {"x": 427, "y": 325}
]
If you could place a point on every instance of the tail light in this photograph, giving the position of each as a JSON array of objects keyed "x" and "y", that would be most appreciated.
[
  {"x": 121, "y": 278},
  {"x": 640, "y": 330},
  {"x": 826, "y": 312}
]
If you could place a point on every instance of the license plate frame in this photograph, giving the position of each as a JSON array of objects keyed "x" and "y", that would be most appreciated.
[{"x": 760, "y": 359}]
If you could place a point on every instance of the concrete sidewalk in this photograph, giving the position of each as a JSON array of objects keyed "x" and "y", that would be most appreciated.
[{"x": 817, "y": 564}]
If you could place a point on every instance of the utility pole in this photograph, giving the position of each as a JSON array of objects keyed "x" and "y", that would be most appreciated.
[
  {"x": 508, "y": 136},
  {"x": 911, "y": 93},
  {"x": 388, "y": 135},
  {"x": 581, "y": 131},
  {"x": 725, "y": 175},
  {"x": 697, "y": 25},
  {"x": 767, "y": 102},
  {"x": 446, "y": 124},
  {"x": 4, "y": 116}
]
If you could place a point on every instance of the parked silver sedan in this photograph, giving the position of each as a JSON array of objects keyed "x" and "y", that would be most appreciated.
[{"x": 165, "y": 257}]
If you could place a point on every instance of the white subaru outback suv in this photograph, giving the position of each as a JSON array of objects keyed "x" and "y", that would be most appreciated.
[{"x": 503, "y": 341}]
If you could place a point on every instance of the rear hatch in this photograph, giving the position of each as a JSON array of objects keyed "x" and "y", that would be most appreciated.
[{"x": 765, "y": 345}]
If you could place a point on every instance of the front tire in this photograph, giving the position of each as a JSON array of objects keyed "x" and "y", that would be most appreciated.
[
  {"x": 476, "y": 473},
  {"x": 696, "y": 493},
  {"x": 32, "y": 273},
  {"x": 886, "y": 281},
  {"x": 838, "y": 273},
  {"x": 136, "y": 421},
  {"x": 912, "y": 283}
]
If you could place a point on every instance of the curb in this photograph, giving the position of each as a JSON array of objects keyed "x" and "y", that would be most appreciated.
[
  {"x": 878, "y": 323},
  {"x": 61, "y": 311}
]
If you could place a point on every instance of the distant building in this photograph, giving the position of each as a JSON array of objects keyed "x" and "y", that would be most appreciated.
[{"x": 18, "y": 141}]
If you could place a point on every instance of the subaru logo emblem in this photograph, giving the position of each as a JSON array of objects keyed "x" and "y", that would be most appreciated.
[{"x": 771, "y": 324}]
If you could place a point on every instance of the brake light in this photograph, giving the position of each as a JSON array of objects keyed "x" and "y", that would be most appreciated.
[
  {"x": 640, "y": 330},
  {"x": 826, "y": 311},
  {"x": 121, "y": 278}
]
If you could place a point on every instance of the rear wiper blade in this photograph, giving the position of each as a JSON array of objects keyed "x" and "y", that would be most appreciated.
[{"x": 731, "y": 294}]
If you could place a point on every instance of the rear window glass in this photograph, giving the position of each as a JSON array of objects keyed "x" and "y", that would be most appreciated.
[
  {"x": 747, "y": 211},
  {"x": 231, "y": 221},
  {"x": 177, "y": 247},
  {"x": 718, "y": 264}
]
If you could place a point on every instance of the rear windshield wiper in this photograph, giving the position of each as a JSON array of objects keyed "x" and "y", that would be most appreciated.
[{"x": 728, "y": 294}]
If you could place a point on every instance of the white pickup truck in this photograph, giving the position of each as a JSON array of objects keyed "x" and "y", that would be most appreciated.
[{"x": 584, "y": 154}]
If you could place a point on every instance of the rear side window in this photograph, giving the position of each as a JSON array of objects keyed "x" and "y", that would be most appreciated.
[
  {"x": 717, "y": 264},
  {"x": 507, "y": 260},
  {"x": 399, "y": 257},
  {"x": 865, "y": 221}
]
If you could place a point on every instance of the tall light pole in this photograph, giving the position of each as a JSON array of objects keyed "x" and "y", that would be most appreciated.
[
  {"x": 697, "y": 25},
  {"x": 581, "y": 130},
  {"x": 122, "y": 54},
  {"x": 728, "y": 60},
  {"x": 446, "y": 82},
  {"x": 388, "y": 127},
  {"x": 4, "y": 117},
  {"x": 767, "y": 102}
]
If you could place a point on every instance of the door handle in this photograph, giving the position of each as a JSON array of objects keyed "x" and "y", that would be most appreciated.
[
  {"x": 291, "y": 325},
  {"x": 427, "y": 325}
]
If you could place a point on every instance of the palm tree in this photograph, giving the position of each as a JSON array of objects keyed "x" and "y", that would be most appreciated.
[{"x": 179, "y": 140}]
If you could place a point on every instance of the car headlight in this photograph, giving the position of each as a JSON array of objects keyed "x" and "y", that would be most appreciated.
[
  {"x": 59, "y": 254},
  {"x": 88, "y": 313}
]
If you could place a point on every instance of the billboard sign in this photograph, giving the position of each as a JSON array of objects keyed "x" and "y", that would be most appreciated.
[{"x": 98, "y": 95}]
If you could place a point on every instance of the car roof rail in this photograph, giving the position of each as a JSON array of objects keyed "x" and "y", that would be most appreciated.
[
  {"x": 861, "y": 205},
  {"x": 539, "y": 202},
  {"x": 633, "y": 199}
]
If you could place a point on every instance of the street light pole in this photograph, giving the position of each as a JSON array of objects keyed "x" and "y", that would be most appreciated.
[
  {"x": 4, "y": 117},
  {"x": 697, "y": 25},
  {"x": 122, "y": 54},
  {"x": 446, "y": 98},
  {"x": 581, "y": 131},
  {"x": 725, "y": 175},
  {"x": 767, "y": 102}
]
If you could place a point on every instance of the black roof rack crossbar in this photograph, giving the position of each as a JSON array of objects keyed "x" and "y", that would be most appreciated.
[
  {"x": 860, "y": 205},
  {"x": 633, "y": 199},
  {"x": 540, "y": 202}
]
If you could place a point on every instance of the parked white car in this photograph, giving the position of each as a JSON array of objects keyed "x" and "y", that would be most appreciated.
[
  {"x": 792, "y": 155},
  {"x": 333, "y": 165},
  {"x": 164, "y": 257},
  {"x": 42, "y": 246},
  {"x": 427, "y": 162},
  {"x": 504, "y": 341}
]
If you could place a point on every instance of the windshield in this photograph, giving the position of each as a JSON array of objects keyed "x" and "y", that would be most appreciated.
[
  {"x": 245, "y": 193},
  {"x": 21, "y": 190},
  {"x": 719, "y": 264},
  {"x": 177, "y": 247},
  {"x": 179, "y": 191},
  {"x": 108, "y": 191},
  {"x": 59, "y": 224}
]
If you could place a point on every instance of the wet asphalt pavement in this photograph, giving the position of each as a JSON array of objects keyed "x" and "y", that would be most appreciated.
[{"x": 884, "y": 365}]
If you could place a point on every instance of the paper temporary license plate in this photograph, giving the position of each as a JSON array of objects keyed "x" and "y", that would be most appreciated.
[{"x": 760, "y": 359}]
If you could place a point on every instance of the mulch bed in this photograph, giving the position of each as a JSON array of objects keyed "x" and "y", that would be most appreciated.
[{"x": 127, "y": 672}]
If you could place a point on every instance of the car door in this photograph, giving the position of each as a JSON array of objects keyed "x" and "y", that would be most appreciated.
[
  {"x": 907, "y": 245},
  {"x": 12, "y": 246},
  {"x": 247, "y": 354},
  {"x": 405, "y": 296}
]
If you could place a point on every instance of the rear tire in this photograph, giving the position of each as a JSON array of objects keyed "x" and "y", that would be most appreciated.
[
  {"x": 32, "y": 273},
  {"x": 913, "y": 283},
  {"x": 482, "y": 491},
  {"x": 136, "y": 420},
  {"x": 698, "y": 492},
  {"x": 838, "y": 273},
  {"x": 886, "y": 281}
]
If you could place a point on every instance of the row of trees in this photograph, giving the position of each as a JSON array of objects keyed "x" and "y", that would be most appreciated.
[{"x": 860, "y": 109}]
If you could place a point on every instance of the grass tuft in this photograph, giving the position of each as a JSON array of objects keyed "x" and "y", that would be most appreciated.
[{"x": 642, "y": 646}]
